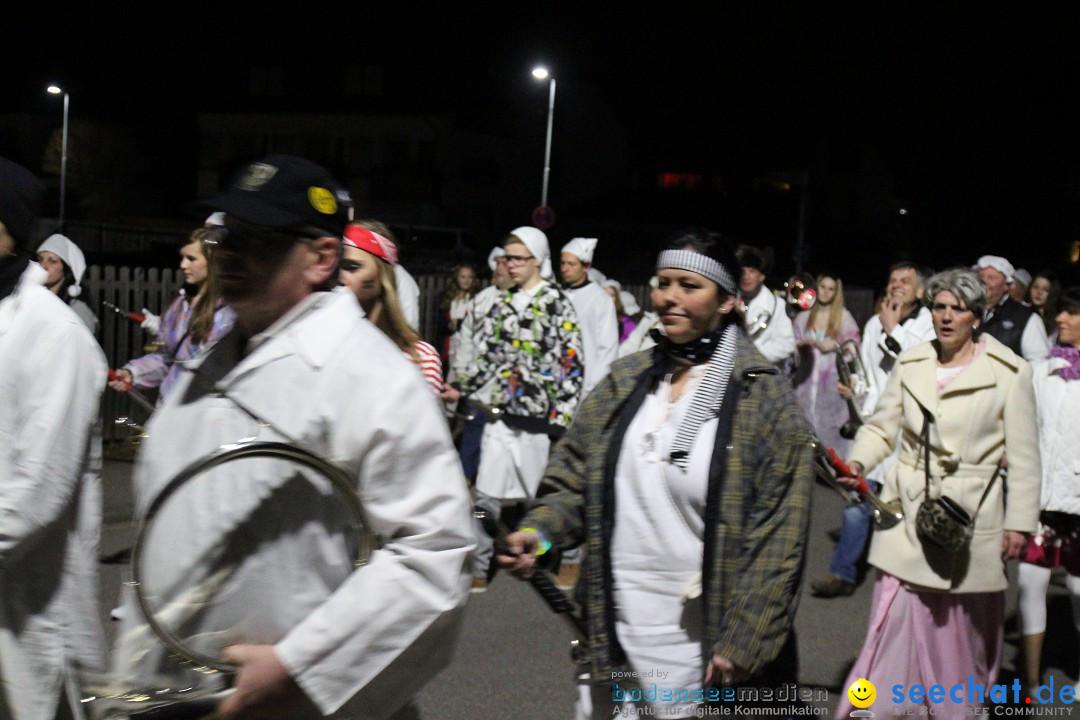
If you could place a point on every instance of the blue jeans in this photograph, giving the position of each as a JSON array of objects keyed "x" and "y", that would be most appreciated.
[{"x": 854, "y": 533}]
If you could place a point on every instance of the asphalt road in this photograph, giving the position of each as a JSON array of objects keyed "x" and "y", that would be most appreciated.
[{"x": 512, "y": 658}]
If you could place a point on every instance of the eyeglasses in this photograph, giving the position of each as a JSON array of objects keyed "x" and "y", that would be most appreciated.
[{"x": 517, "y": 259}]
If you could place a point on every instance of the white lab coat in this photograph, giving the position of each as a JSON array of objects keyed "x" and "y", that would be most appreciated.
[
  {"x": 599, "y": 331},
  {"x": 777, "y": 341},
  {"x": 408, "y": 293},
  {"x": 907, "y": 334},
  {"x": 53, "y": 374},
  {"x": 328, "y": 378}
]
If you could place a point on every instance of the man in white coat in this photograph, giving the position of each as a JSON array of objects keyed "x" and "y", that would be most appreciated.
[
  {"x": 595, "y": 310},
  {"x": 904, "y": 322},
  {"x": 53, "y": 374},
  {"x": 766, "y": 317},
  {"x": 315, "y": 372},
  {"x": 599, "y": 325}
]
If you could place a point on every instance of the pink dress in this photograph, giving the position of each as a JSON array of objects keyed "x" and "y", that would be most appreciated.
[{"x": 815, "y": 382}]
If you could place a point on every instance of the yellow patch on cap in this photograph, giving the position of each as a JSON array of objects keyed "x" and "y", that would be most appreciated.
[{"x": 322, "y": 200}]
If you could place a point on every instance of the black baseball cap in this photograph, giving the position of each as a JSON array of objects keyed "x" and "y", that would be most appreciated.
[{"x": 284, "y": 191}]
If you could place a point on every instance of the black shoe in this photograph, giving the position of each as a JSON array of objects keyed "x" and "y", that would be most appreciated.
[{"x": 830, "y": 587}]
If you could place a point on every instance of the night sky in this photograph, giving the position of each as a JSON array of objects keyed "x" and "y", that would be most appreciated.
[{"x": 962, "y": 114}]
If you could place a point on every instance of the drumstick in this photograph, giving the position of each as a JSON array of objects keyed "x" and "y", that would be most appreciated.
[
  {"x": 135, "y": 395},
  {"x": 133, "y": 316}
]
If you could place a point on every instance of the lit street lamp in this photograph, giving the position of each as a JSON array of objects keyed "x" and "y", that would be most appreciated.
[
  {"x": 541, "y": 73},
  {"x": 53, "y": 89}
]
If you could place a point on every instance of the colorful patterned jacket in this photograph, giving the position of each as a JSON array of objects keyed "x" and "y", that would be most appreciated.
[
  {"x": 756, "y": 518},
  {"x": 534, "y": 357}
]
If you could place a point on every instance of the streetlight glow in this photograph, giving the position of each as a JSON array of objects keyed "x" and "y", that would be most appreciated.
[
  {"x": 56, "y": 90},
  {"x": 541, "y": 73}
]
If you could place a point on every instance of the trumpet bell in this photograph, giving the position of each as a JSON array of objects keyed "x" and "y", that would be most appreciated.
[
  {"x": 885, "y": 514},
  {"x": 800, "y": 290}
]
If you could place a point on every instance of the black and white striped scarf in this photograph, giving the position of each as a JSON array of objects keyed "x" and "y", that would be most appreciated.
[{"x": 709, "y": 393}]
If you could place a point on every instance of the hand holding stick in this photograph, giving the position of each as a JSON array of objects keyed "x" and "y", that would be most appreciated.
[{"x": 120, "y": 381}]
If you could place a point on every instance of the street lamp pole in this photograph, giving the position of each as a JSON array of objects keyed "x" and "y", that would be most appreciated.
[
  {"x": 540, "y": 73},
  {"x": 63, "y": 151}
]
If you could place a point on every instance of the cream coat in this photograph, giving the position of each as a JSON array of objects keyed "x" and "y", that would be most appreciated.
[
  {"x": 987, "y": 410},
  {"x": 53, "y": 373}
]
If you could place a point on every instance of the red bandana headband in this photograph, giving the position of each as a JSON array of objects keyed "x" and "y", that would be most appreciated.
[{"x": 372, "y": 242}]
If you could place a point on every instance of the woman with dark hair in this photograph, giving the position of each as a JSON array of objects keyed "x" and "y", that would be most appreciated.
[
  {"x": 686, "y": 474},
  {"x": 367, "y": 268},
  {"x": 1043, "y": 298},
  {"x": 196, "y": 319},
  {"x": 1057, "y": 540},
  {"x": 455, "y": 302},
  {"x": 956, "y": 406},
  {"x": 819, "y": 332},
  {"x": 65, "y": 263}
]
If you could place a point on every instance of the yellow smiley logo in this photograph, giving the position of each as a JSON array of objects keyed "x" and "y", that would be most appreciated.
[
  {"x": 862, "y": 693},
  {"x": 322, "y": 200}
]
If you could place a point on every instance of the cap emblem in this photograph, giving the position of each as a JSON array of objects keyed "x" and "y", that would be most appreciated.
[
  {"x": 322, "y": 200},
  {"x": 257, "y": 175}
]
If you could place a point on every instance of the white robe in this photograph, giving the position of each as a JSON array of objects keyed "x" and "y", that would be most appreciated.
[
  {"x": 53, "y": 374},
  {"x": 327, "y": 377},
  {"x": 599, "y": 331}
]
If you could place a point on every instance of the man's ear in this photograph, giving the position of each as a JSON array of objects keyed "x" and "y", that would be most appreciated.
[{"x": 326, "y": 252}]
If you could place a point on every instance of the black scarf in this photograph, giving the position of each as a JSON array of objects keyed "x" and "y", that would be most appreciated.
[{"x": 694, "y": 352}]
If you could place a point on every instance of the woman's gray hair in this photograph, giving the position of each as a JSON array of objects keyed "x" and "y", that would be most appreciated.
[{"x": 964, "y": 284}]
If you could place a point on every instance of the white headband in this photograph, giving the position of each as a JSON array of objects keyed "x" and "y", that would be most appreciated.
[{"x": 701, "y": 264}]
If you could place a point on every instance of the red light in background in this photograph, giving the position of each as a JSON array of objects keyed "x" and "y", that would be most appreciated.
[{"x": 679, "y": 181}]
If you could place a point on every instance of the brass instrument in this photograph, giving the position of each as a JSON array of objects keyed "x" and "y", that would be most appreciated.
[
  {"x": 800, "y": 292},
  {"x": 852, "y": 372},
  {"x": 827, "y": 463},
  {"x": 107, "y": 697}
]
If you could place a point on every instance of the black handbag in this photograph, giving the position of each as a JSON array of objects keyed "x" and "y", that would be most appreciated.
[{"x": 941, "y": 521}]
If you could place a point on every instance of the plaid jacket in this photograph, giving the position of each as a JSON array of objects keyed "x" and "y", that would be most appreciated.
[{"x": 756, "y": 518}]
